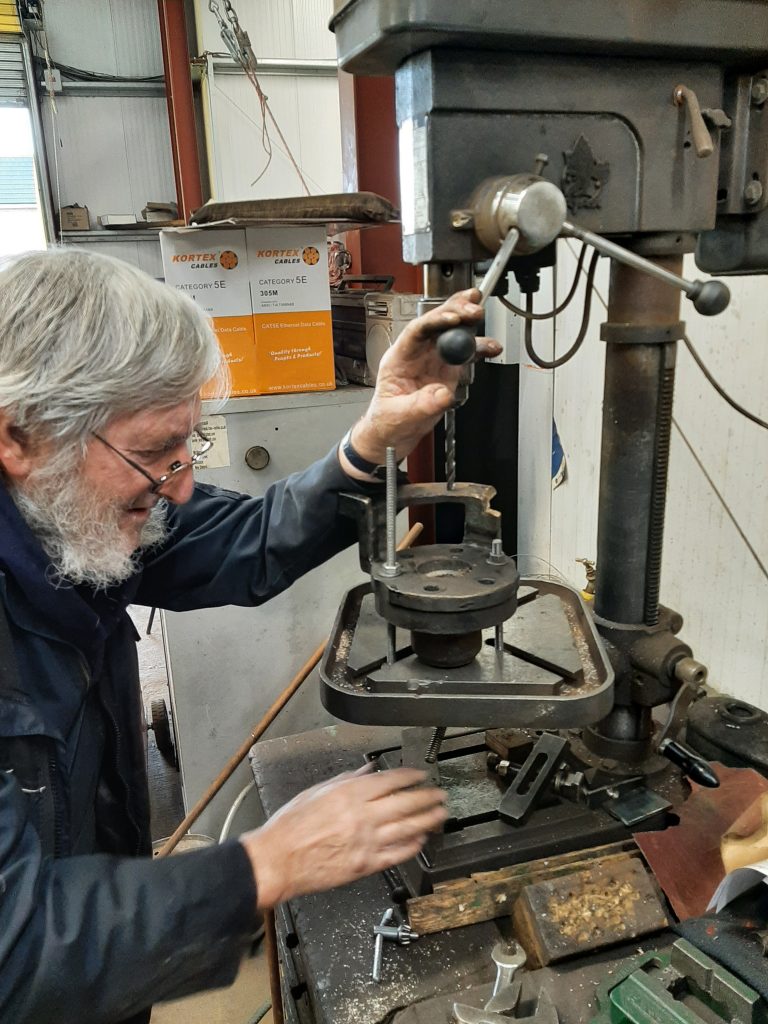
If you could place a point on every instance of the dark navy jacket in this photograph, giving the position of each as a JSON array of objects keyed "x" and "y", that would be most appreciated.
[{"x": 88, "y": 934}]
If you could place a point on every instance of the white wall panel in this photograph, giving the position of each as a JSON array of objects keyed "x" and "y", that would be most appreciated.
[
  {"x": 115, "y": 37},
  {"x": 709, "y": 573},
  {"x": 306, "y": 107},
  {"x": 136, "y": 31},
  {"x": 113, "y": 153},
  {"x": 148, "y": 150},
  {"x": 276, "y": 28},
  {"x": 144, "y": 254},
  {"x": 307, "y": 111},
  {"x": 534, "y": 526},
  {"x": 312, "y": 35},
  {"x": 578, "y": 402}
]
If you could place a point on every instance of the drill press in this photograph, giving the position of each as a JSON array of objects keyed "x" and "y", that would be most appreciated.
[{"x": 640, "y": 130}]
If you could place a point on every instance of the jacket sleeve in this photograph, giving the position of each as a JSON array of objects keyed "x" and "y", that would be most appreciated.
[
  {"x": 229, "y": 548},
  {"x": 97, "y": 939}
]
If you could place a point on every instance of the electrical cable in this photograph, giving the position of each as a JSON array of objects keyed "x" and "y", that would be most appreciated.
[
  {"x": 83, "y": 75},
  {"x": 225, "y": 828},
  {"x": 225, "y": 95},
  {"x": 558, "y": 309},
  {"x": 716, "y": 491},
  {"x": 558, "y": 577},
  {"x": 261, "y": 1013},
  {"x": 553, "y": 364},
  {"x": 46, "y": 60},
  {"x": 719, "y": 389}
]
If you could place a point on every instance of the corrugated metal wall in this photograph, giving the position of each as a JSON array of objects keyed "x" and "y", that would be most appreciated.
[
  {"x": 9, "y": 18},
  {"x": 13, "y": 85},
  {"x": 113, "y": 151},
  {"x": 305, "y": 104}
]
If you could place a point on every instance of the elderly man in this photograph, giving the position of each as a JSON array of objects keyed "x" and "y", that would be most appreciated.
[{"x": 100, "y": 374}]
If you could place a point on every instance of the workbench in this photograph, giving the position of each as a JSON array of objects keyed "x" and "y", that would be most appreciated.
[{"x": 326, "y": 940}]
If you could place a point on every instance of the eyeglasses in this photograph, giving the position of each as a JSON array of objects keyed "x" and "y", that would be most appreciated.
[{"x": 155, "y": 483}]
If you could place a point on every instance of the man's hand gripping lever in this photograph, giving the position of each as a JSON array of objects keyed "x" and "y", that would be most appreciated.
[{"x": 457, "y": 345}]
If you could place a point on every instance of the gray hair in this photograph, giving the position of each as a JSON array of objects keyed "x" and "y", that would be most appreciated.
[{"x": 85, "y": 338}]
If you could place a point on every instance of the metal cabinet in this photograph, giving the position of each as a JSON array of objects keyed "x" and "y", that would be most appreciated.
[{"x": 227, "y": 665}]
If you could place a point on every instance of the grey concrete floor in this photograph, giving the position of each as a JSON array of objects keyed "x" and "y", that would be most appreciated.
[{"x": 239, "y": 1003}]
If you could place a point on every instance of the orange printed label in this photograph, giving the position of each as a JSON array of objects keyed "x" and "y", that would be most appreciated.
[
  {"x": 294, "y": 352},
  {"x": 235, "y": 334}
]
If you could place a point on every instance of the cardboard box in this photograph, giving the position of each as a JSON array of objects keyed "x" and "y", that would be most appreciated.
[
  {"x": 74, "y": 218},
  {"x": 117, "y": 220},
  {"x": 266, "y": 291}
]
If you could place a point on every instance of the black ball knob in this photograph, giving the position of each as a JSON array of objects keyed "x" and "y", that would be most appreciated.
[
  {"x": 710, "y": 297},
  {"x": 456, "y": 346}
]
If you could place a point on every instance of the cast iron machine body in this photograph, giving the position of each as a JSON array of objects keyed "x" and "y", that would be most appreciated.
[
  {"x": 640, "y": 130},
  {"x": 457, "y": 650}
]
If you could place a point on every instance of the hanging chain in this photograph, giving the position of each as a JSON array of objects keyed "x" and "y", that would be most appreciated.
[
  {"x": 235, "y": 39},
  {"x": 239, "y": 45}
]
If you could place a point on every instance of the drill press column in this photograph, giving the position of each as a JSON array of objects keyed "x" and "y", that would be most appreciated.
[
  {"x": 643, "y": 325},
  {"x": 642, "y": 331}
]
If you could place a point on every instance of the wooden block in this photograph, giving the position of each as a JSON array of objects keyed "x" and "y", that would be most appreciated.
[
  {"x": 510, "y": 744},
  {"x": 541, "y": 865},
  {"x": 491, "y": 894},
  {"x": 586, "y": 910}
]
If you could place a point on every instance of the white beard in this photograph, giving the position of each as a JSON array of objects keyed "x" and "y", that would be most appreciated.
[{"x": 80, "y": 531}]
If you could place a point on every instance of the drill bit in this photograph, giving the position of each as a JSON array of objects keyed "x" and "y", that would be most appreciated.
[{"x": 450, "y": 449}]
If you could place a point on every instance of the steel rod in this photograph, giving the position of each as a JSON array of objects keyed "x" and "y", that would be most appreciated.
[
  {"x": 637, "y": 415},
  {"x": 391, "y": 643},
  {"x": 498, "y": 265},
  {"x": 499, "y": 639},
  {"x": 629, "y": 258},
  {"x": 390, "y": 567}
]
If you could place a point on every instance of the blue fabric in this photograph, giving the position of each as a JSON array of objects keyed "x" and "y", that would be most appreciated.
[{"x": 97, "y": 937}]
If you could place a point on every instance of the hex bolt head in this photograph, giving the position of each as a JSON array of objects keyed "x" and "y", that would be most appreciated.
[
  {"x": 753, "y": 193},
  {"x": 759, "y": 91},
  {"x": 497, "y": 556}
]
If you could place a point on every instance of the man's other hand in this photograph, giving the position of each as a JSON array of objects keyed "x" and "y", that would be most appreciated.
[
  {"x": 341, "y": 830},
  {"x": 414, "y": 387}
]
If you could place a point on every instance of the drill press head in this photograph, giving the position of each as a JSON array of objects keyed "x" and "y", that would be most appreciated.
[{"x": 649, "y": 117}]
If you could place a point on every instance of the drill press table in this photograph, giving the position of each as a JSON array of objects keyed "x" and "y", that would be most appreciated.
[{"x": 326, "y": 940}]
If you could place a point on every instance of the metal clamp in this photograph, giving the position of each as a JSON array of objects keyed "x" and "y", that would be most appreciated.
[
  {"x": 509, "y": 958},
  {"x": 642, "y": 334}
]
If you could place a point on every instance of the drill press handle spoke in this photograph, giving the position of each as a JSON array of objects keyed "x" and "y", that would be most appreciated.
[
  {"x": 522, "y": 214},
  {"x": 457, "y": 345},
  {"x": 708, "y": 297}
]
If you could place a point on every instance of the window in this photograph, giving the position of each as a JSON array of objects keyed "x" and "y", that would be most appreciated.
[{"x": 21, "y": 218}]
